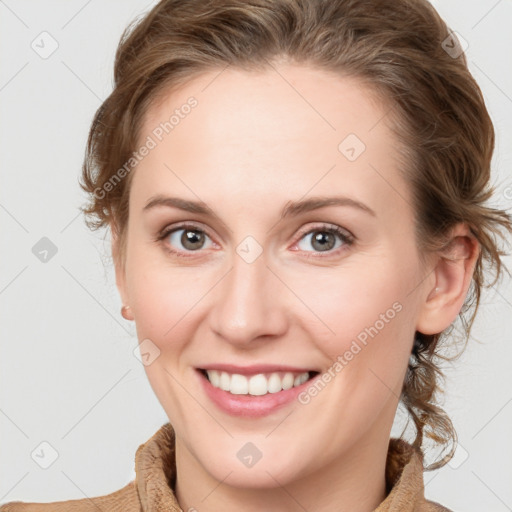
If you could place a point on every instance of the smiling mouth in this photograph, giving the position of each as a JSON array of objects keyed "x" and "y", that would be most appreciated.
[{"x": 258, "y": 384}]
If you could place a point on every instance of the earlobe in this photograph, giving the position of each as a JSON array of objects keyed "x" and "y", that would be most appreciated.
[
  {"x": 453, "y": 272},
  {"x": 126, "y": 313}
]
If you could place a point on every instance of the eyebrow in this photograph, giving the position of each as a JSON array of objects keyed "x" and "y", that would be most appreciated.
[
  {"x": 314, "y": 203},
  {"x": 292, "y": 208}
]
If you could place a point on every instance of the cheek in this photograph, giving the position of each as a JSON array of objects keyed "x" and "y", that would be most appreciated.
[
  {"x": 165, "y": 305},
  {"x": 361, "y": 300},
  {"x": 356, "y": 303},
  {"x": 164, "y": 299},
  {"x": 367, "y": 327}
]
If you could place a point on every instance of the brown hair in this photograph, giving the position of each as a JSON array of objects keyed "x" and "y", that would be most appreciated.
[{"x": 398, "y": 48}]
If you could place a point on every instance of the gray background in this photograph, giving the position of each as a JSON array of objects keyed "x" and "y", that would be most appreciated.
[{"x": 69, "y": 376}]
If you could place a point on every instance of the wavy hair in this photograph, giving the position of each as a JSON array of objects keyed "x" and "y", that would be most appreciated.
[{"x": 401, "y": 49}]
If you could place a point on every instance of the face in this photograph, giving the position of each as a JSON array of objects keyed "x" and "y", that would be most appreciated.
[{"x": 271, "y": 240}]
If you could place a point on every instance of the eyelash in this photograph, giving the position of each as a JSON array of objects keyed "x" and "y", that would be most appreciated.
[{"x": 346, "y": 237}]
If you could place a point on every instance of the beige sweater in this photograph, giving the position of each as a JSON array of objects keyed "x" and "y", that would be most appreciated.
[{"x": 152, "y": 489}]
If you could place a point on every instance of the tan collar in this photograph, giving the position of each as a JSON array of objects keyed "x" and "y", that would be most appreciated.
[{"x": 156, "y": 476}]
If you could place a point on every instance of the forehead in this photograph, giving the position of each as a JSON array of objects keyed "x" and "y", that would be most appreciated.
[
  {"x": 288, "y": 128},
  {"x": 295, "y": 98}
]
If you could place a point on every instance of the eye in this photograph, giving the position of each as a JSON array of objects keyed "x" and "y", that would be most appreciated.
[
  {"x": 326, "y": 238},
  {"x": 185, "y": 238}
]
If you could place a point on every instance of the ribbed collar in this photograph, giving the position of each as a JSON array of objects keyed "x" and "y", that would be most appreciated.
[{"x": 156, "y": 476}]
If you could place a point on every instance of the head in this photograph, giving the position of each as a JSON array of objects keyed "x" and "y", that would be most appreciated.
[{"x": 249, "y": 108}]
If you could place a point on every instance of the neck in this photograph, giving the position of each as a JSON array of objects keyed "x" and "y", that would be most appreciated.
[{"x": 355, "y": 482}]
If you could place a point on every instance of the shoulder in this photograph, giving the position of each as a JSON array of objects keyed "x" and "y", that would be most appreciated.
[
  {"x": 404, "y": 481},
  {"x": 123, "y": 500},
  {"x": 431, "y": 506}
]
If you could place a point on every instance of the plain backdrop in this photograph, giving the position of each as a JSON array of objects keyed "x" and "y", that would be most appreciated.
[{"x": 69, "y": 376}]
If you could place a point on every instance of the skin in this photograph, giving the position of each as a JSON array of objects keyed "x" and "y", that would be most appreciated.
[{"x": 253, "y": 143}]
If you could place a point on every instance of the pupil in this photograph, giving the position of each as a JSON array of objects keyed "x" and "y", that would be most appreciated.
[
  {"x": 324, "y": 239},
  {"x": 189, "y": 238}
]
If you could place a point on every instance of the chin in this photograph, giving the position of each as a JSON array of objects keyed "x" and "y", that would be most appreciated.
[
  {"x": 255, "y": 461},
  {"x": 263, "y": 475}
]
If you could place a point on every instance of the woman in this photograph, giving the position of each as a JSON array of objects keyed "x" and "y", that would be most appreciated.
[{"x": 296, "y": 194}]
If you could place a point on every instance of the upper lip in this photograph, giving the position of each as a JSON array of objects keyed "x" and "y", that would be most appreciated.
[{"x": 255, "y": 368}]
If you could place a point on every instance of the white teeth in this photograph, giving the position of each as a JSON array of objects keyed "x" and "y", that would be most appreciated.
[
  {"x": 225, "y": 381},
  {"x": 256, "y": 385},
  {"x": 288, "y": 381},
  {"x": 214, "y": 378},
  {"x": 274, "y": 384},
  {"x": 239, "y": 385}
]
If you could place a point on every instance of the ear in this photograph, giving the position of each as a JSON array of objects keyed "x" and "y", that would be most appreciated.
[
  {"x": 453, "y": 271},
  {"x": 119, "y": 268}
]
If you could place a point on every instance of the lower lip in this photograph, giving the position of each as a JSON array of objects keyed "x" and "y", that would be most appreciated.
[{"x": 251, "y": 405}]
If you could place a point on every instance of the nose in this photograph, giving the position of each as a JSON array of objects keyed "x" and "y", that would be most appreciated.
[{"x": 248, "y": 305}]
